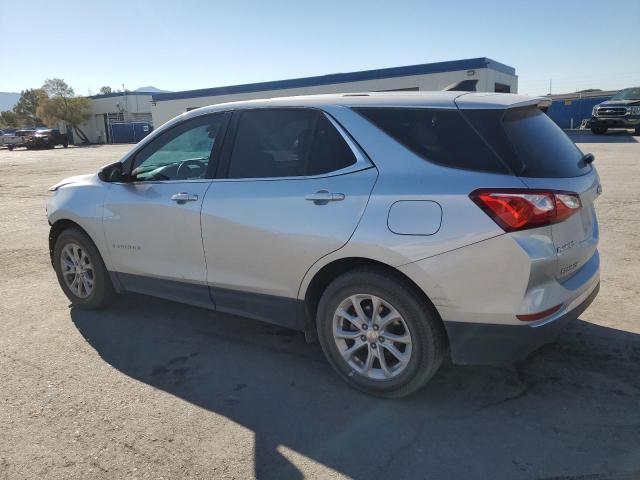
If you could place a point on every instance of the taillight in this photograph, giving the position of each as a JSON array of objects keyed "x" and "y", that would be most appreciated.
[{"x": 515, "y": 209}]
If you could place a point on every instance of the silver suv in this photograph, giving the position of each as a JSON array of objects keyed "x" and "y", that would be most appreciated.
[{"x": 397, "y": 229}]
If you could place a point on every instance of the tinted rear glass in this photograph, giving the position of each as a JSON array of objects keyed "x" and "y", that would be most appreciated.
[
  {"x": 529, "y": 142},
  {"x": 439, "y": 136}
]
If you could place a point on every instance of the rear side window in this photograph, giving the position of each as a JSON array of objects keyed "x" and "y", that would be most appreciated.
[
  {"x": 529, "y": 142},
  {"x": 287, "y": 143},
  {"x": 439, "y": 136}
]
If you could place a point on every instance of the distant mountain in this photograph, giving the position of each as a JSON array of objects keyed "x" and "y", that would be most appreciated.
[
  {"x": 9, "y": 99},
  {"x": 150, "y": 90}
]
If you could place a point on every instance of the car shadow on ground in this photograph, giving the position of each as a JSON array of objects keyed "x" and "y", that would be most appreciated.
[
  {"x": 614, "y": 136},
  {"x": 569, "y": 411}
]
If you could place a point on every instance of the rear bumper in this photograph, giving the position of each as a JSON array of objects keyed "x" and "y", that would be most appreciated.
[{"x": 492, "y": 344}]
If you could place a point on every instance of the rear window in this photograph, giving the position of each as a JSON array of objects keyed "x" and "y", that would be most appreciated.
[
  {"x": 529, "y": 142},
  {"x": 439, "y": 136}
]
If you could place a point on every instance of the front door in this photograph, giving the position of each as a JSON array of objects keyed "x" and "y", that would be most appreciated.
[
  {"x": 293, "y": 191},
  {"x": 152, "y": 222}
]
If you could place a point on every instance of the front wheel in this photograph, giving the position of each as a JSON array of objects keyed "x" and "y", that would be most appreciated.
[
  {"x": 636, "y": 132},
  {"x": 379, "y": 333},
  {"x": 10, "y": 147},
  {"x": 81, "y": 272},
  {"x": 598, "y": 130}
]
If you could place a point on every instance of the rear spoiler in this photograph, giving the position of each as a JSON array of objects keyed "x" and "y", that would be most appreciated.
[{"x": 500, "y": 101}]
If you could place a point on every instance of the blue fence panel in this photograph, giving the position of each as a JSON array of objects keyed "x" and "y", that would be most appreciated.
[
  {"x": 577, "y": 109},
  {"x": 131, "y": 132}
]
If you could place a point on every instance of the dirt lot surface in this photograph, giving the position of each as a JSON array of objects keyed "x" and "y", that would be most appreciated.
[{"x": 154, "y": 389}]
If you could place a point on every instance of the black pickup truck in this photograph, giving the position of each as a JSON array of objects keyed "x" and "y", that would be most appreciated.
[
  {"x": 46, "y": 138},
  {"x": 621, "y": 111}
]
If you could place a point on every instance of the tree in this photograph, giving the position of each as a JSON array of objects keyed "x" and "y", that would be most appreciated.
[
  {"x": 8, "y": 119},
  {"x": 106, "y": 90},
  {"x": 56, "y": 87},
  {"x": 27, "y": 106},
  {"x": 63, "y": 105}
]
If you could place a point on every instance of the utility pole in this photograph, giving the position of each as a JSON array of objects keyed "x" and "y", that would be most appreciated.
[{"x": 550, "y": 85}]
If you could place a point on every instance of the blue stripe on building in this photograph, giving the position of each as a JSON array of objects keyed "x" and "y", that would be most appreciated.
[{"x": 422, "y": 69}]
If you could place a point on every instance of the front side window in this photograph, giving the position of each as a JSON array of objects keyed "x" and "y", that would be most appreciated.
[
  {"x": 287, "y": 143},
  {"x": 181, "y": 153}
]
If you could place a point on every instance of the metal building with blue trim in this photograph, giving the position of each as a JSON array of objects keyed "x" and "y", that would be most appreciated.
[{"x": 491, "y": 76}]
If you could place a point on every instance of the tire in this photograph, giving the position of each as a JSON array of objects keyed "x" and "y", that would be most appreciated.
[
  {"x": 10, "y": 147},
  {"x": 65, "y": 145},
  {"x": 418, "y": 319},
  {"x": 598, "y": 130},
  {"x": 636, "y": 132},
  {"x": 101, "y": 293}
]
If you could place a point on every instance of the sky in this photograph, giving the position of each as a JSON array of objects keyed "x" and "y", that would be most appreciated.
[{"x": 188, "y": 44}]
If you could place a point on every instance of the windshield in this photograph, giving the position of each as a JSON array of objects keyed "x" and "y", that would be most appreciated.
[{"x": 627, "y": 94}]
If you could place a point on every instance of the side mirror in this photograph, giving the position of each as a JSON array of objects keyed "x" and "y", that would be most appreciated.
[{"x": 112, "y": 173}]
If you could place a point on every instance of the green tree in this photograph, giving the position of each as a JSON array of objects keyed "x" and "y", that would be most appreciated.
[
  {"x": 63, "y": 105},
  {"x": 27, "y": 106},
  {"x": 106, "y": 90},
  {"x": 8, "y": 119}
]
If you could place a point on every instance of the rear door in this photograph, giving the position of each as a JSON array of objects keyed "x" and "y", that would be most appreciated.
[{"x": 293, "y": 189}]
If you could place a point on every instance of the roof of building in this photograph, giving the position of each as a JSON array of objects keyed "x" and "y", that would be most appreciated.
[
  {"x": 118, "y": 94},
  {"x": 584, "y": 94},
  {"x": 409, "y": 70}
]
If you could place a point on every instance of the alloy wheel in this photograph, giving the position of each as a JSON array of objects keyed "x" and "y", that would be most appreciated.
[
  {"x": 372, "y": 336},
  {"x": 77, "y": 270}
]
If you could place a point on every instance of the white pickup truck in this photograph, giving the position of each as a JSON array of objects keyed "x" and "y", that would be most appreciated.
[{"x": 12, "y": 137}]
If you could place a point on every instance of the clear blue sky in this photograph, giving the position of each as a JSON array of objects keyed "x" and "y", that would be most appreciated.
[{"x": 188, "y": 44}]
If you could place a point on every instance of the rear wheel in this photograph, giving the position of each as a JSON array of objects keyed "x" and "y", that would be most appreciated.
[
  {"x": 81, "y": 271},
  {"x": 636, "y": 132},
  {"x": 379, "y": 334},
  {"x": 598, "y": 130},
  {"x": 10, "y": 147}
]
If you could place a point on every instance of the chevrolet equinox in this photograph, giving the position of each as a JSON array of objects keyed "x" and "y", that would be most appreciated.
[{"x": 395, "y": 228}]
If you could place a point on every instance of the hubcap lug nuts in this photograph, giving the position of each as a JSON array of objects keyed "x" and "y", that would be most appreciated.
[
  {"x": 363, "y": 338},
  {"x": 375, "y": 327},
  {"x": 381, "y": 339},
  {"x": 373, "y": 345},
  {"x": 365, "y": 326}
]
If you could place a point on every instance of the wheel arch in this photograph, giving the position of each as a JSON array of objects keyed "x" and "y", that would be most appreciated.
[
  {"x": 332, "y": 270},
  {"x": 60, "y": 226}
]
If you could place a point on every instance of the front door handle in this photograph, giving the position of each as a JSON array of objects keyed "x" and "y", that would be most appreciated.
[
  {"x": 184, "y": 197},
  {"x": 322, "y": 197}
]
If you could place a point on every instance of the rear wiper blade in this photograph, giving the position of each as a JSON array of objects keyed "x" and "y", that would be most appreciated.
[{"x": 586, "y": 159}]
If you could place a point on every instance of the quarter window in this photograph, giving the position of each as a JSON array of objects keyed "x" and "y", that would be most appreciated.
[
  {"x": 287, "y": 143},
  {"x": 439, "y": 136},
  {"x": 181, "y": 153}
]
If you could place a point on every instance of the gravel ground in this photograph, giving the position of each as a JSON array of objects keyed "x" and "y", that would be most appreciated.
[{"x": 154, "y": 389}]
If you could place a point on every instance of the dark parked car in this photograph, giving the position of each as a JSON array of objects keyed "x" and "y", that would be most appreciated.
[
  {"x": 622, "y": 111},
  {"x": 46, "y": 138}
]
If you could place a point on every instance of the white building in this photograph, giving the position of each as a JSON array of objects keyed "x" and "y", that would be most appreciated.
[
  {"x": 115, "y": 108},
  {"x": 491, "y": 76}
]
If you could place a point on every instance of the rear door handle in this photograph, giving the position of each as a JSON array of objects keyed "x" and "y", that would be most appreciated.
[
  {"x": 322, "y": 197},
  {"x": 184, "y": 197}
]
